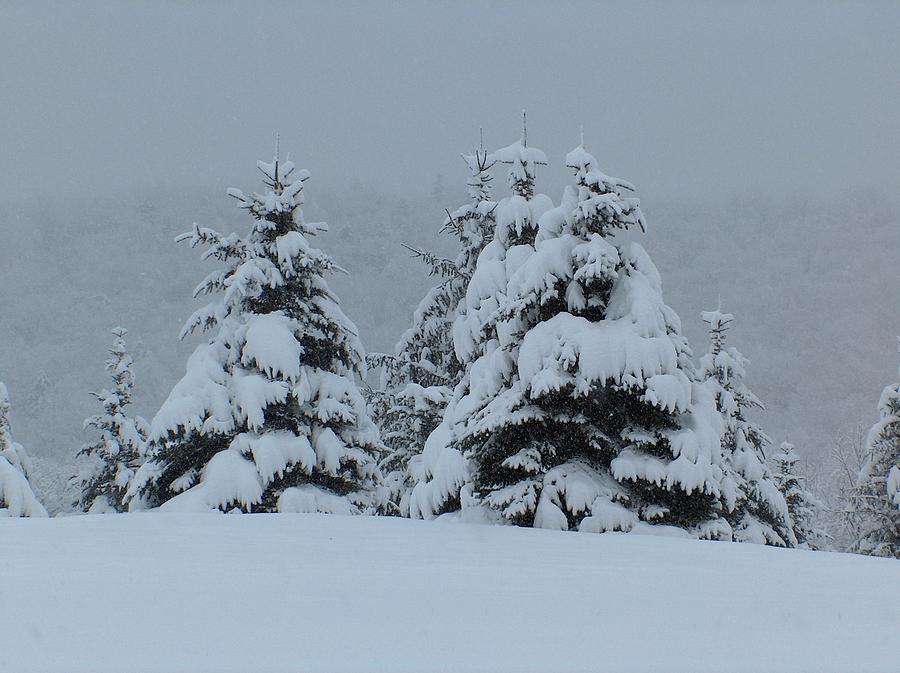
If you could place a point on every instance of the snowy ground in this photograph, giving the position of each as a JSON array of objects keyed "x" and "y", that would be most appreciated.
[{"x": 172, "y": 592}]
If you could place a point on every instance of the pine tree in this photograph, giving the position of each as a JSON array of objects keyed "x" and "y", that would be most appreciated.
[
  {"x": 418, "y": 379},
  {"x": 878, "y": 487},
  {"x": 586, "y": 415},
  {"x": 268, "y": 416},
  {"x": 443, "y": 472},
  {"x": 580, "y": 408},
  {"x": 118, "y": 452},
  {"x": 802, "y": 506},
  {"x": 754, "y": 506},
  {"x": 16, "y": 495}
]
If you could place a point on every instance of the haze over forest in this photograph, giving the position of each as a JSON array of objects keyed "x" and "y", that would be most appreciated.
[{"x": 763, "y": 142}]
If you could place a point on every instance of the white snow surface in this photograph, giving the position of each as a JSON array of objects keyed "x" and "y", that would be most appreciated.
[{"x": 307, "y": 592}]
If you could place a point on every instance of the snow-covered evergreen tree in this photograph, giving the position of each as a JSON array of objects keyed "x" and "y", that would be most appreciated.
[
  {"x": 585, "y": 414},
  {"x": 16, "y": 496},
  {"x": 443, "y": 471},
  {"x": 802, "y": 506},
  {"x": 118, "y": 452},
  {"x": 878, "y": 489},
  {"x": 268, "y": 416},
  {"x": 418, "y": 379},
  {"x": 580, "y": 408},
  {"x": 754, "y": 506}
]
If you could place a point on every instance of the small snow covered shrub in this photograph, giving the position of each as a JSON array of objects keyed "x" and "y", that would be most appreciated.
[
  {"x": 802, "y": 506},
  {"x": 111, "y": 461},
  {"x": 754, "y": 506}
]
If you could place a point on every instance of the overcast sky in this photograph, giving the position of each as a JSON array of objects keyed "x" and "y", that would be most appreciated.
[{"x": 685, "y": 99}]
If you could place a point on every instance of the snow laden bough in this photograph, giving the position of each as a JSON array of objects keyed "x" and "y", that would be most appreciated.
[
  {"x": 581, "y": 408},
  {"x": 268, "y": 416},
  {"x": 16, "y": 496}
]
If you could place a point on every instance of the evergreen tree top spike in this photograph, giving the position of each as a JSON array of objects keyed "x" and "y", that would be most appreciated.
[
  {"x": 279, "y": 175},
  {"x": 718, "y": 325},
  {"x": 478, "y": 184},
  {"x": 283, "y": 194},
  {"x": 119, "y": 367},
  {"x": 587, "y": 174},
  {"x": 479, "y": 162},
  {"x": 277, "y": 186},
  {"x": 524, "y": 129},
  {"x": 786, "y": 454},
  {"x": 522, "y": 161},
  {"x": 580, "y": 161},
  {"x": 600, "y": 201},
  {"x": 118, "y": 346}
]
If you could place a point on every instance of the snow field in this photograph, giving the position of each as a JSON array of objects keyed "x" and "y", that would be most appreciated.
[{"x": 303, "y": 592}]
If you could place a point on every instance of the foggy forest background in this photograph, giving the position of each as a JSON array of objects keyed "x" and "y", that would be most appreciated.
[{"x": 771, "y": 187}]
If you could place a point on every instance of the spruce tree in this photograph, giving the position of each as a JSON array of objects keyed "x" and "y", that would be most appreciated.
[
  {"x": 118, "y": 452},
  {"x": 802, "y": 506},
  {"x": 754, "y": 506},
  {"x": 583, "y": 412},
  {"x": 443, "y": 473},
  {"x": 268, "y": 416},
  {"x": 878, "y": 488},
  {"x": 418, "y": 379},
  {"x": 16, "y": 495}
]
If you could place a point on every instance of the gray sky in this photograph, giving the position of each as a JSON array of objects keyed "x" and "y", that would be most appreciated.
[{"x": 685, "y": 99}]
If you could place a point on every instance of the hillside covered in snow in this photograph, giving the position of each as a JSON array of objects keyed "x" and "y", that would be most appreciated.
[{"x": 175, "y": 592}]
